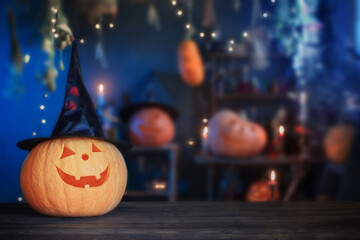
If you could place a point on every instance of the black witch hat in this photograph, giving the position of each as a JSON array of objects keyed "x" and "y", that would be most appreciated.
[
  {"x": 77, "y": 117},
  {"x": 128, "y": 111}
]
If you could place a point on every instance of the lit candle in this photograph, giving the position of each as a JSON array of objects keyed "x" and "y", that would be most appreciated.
[
  {"x": 272, "y": 183},
  {"x": 281, "y": 136},
  {"x": 101, "y": 98},
  {"x": 281, "y": 131},
  {"x": 205, "y": 133},
  {"x": 273, "y": 178}
]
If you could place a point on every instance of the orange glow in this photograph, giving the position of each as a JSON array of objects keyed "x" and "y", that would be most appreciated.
[{"x": 159, "y": 185}]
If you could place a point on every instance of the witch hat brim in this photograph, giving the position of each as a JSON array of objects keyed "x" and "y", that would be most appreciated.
[
  {"x": 78, "y": 117},
  {"x": 129, "y": 111},
  {"x": 29, "y": 144}
]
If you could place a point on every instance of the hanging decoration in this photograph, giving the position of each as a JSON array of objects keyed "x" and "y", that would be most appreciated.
[
  {"x": 236, "y": 5},
  {"x": 100, "y": 54},
  {"x": 209, "y": 18},
  {"x": 14, "y": 85},
  {"x": 190, "y": 63},
  {"x": 57, "y": 34},
  {"x": 153, "y": 17},
  {"x": 259, "y": 54}
]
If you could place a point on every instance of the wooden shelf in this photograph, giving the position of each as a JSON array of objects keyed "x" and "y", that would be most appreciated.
[
  {"x": 149, "y": 193},
  {"x": 172, "y": 154},
  {"x": 252, "y": 161}
]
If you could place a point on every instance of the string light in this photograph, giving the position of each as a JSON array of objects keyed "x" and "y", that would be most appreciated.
[
  {"x": 111, "y": 25},
  {"x": 205, "y": 120},
  {"x": 231, "y": 49},
  {"x": 97, "y": 26},
  {"x": 190, "y": 142},
  {"x": 179, "y": 12},
  {"x": 273, "y": 1},
  {"x": 173, "y": 3},
  {"x": 231, "y": 41},
  {"x": 56, "y": 35},
  {"x": 53, "y": 30},
  {"x": 34, "y": 133},
  {"x": 202, "y": 34},
  {"x": 26, "y": 58},
  {"x": 245, "y": 34},
  {"x": 46, "y": 95},
  {"x": 213, "y": 34},
  {"x": 101, "y": 88},
  {"x": 265, "y": 15},
  {"x": 82, "y": 40},
  {"x": 42, "y": 107},
  {"x": 53, "y": 20},
  {"x": 188, "y": 26},
  {"x": 43, "y": 121},
  {"x": 19, "y": 199}
]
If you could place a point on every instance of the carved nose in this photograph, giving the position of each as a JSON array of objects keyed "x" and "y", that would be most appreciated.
[{"x": 85, "y": 157}]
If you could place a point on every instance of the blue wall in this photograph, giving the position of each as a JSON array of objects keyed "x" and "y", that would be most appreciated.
[{"x": 133, "y": 49}]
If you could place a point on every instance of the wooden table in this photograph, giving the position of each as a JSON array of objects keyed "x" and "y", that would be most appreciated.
[{"x": 191, "y": 220}]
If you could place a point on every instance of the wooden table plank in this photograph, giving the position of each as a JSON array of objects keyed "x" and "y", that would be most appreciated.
[{"x": 191, "y": 220}]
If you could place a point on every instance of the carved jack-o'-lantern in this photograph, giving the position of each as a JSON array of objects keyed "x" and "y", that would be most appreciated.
[
  {"x": 259, "y": 191},
  {"x": 76, "y": 171},
  {"x": 151, "y": 126},
  {"x": 337, "y": 143},
  {"x": 75, "y": 176},
  {"x": 190, "y": 64},
  {"x": 231, "y": 136}
]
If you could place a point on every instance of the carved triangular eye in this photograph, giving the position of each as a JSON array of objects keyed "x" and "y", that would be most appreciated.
[
  {"x": 66, "y": 152},
  {"x": 95, "y": 148}
]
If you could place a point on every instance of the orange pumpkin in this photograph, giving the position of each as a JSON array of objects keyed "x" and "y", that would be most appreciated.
[
  {"x": 151, "y": 127},
  {"x": 190, "y": 64},
  {"x": 259, "y": 191},
  {"x": 74, "y": 176},
  {"x": 337, "y": 143},
  {"x": 231, "y": 136}
]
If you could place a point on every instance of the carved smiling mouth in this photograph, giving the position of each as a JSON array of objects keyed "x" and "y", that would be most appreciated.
[
  {"x": 149, "y": 130},
  {"x": 233, "y": 141},
  {"x": 83, "y": 182}
]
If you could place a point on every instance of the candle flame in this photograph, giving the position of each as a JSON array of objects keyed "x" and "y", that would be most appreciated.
[
  {"x": 101, "y": 88},
  {"x": 272, "y": 175},
  {"x": 281, "y": 130},
  {"x": 205, "y": 132}
]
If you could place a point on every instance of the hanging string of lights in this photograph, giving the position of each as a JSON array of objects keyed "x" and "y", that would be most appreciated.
[{"x": 202, "y": 34}]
